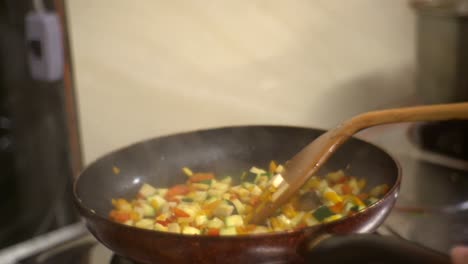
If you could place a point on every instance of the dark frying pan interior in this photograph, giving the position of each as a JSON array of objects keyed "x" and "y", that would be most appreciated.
[{"x": 225, "y": 151}]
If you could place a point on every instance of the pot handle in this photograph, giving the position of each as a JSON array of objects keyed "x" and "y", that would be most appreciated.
[{"x": 368, "y": 248}]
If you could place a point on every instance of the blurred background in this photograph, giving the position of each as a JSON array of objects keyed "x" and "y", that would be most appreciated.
[{"x": 125, "y": 71}]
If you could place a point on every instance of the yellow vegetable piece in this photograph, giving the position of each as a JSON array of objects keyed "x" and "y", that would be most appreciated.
[
  {"x": 273, "y": 166},
  {"x": 289, "y": 211},
  {"x": 332, "y": 197},
  {"x": 332, "y": 218},
  {"x": 187, "y": 171},
  {"x": 362, "y": 184}
]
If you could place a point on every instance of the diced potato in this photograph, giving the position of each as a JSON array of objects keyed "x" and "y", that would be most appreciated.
[
  {"x": 223, "y": 210},
  {"x": 239, "y": 206},
  {"x": 199, "y": 196},
  {"x": 227, "y": 180},
  {"x": 215, "y": 223},
  {"x": 200, "y": 220},
  {"x": 173, "y": 227},
  {"x": 189, "y": 230},
  {"x": 145, "y": 223},
  {"x": 159, "y": 227},
  {"x": 146, "y": 190},
  {"x": 228, "y": 231},
  {"x": 335, "y": 176},
  {"x": 332, "y": 196},
  {"x": 234, "y": 220}
]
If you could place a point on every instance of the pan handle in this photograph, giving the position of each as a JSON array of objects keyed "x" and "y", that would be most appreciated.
[{"x": 368, "y": 248}]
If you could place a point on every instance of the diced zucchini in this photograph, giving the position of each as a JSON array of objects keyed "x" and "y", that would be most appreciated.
[
  {"x": 148, "y": 210},
  {"x": 145, "y": 223},
  {"x": 208, "y": 182},
  {"x": 379, "y": 190},
  {"x": 227, "y": 180},
  {"x": 200, "y": 220},
  {"x": 322, "y": 212},
  {"x": 187, "y": 200},
  {"x": 161, "y": 191},
  {"x": 247, "y": 185},
  {"x": 220, "y": 186},
  {"x": 239, "y": 206},
  {"x": 234, "y": 220},
  {"x": 147, "y": 190},
  {"x": 310, "y": 220},
  {"x": 211, "y": 200},
  {"x": 215, "y": 223},
  {"x": 200, "y": 196},
  {"x": 173, "y": 227},
  {"x": 371, "y": 200},
  {"x": 189, "y": 230},
  {"x": 256, "y": 170},
  {"x": 256, "y": 191},
  {"x": 216, "y": 192},
  {"x": 297, "y": 219},
  {"x": 228, "y": 231},
  {"x": 157, "y": 201},
  {"x": 223, "y": 210},
  {"x": 335, "y": 176},
  {"x": 284, "y": 220}
]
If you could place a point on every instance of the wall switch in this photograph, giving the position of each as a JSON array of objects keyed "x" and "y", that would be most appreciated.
[{"x": 45, "y": 47}]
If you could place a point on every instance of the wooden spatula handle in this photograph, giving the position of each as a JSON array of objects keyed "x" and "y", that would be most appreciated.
[{"x": 409, "y": 114}]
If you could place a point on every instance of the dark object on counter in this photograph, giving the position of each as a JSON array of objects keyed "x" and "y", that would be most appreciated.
[
  {"x": 229, "y": 150},
  {"x": 446, "y": 138}
]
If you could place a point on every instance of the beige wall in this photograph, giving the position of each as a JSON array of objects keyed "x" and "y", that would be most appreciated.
[{"x": 147, "y": 67}]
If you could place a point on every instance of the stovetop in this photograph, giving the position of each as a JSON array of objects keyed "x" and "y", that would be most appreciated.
[{"x": 433, "y": 178}]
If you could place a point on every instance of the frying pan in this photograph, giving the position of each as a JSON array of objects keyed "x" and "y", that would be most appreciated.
[{"x": 229, "y": 151}]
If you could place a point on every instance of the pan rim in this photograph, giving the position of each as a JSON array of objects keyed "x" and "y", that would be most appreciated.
[{"x": 91, "y": 213}]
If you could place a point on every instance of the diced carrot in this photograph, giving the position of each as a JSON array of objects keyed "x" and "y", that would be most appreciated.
[
  {"x": 198, "y": 177},
  {"x": 164, "y": 223},
  {"x": 272, "y": 167},
  {"x": 337, "y": 208},
  {"x": 343, "y": 179},
  {"x": 179, "y": 212},
  {"x": 120, "y": 216},
  {"x": 213, "y": 232},
  {"x": 346, "y": 189},
  {"x": 363, "y": 196},
  {"x": 180, "y": 189}
]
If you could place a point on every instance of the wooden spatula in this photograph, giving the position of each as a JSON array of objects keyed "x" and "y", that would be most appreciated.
[{"x": 309, "y": 160}]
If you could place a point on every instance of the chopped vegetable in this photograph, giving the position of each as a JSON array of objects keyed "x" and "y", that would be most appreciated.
[
  {"x": 206, "y": 205},
  {"x": 322, "y": 212}
]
